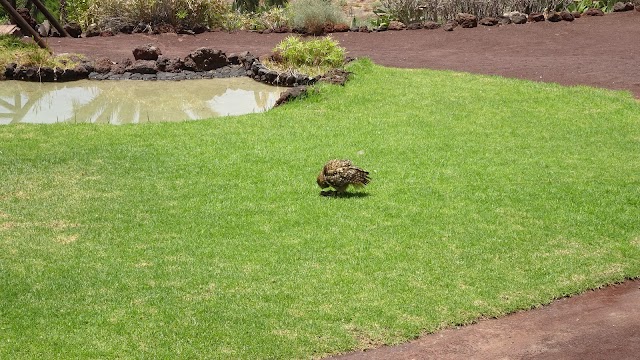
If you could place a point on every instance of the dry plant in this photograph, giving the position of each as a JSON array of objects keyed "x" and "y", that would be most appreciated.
[
  {"x": 409, "y": 11},
  {"x": 174, "y": 12}
]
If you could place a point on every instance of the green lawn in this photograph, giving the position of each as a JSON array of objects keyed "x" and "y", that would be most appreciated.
[{"x": 209, "y": 239}]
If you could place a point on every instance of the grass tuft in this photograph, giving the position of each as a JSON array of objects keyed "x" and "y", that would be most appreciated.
[{"x": 14, "y": 50}]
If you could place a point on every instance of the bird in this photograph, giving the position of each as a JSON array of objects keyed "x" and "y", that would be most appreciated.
[{"x": 339, "y": 174}]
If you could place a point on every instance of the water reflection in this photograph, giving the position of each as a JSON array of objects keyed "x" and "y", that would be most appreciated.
[{"x": 123, "y": 102}]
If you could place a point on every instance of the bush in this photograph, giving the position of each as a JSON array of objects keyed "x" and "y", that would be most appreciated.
[
  {"x": 312, "y": 57},
  {"x": 274, "y": 18},
  {"x": 174, "y": 12},
  {"x": 313, "y": 15},
  {"x": 409, "y": 11},
  {"x": 406, "y": 11}
]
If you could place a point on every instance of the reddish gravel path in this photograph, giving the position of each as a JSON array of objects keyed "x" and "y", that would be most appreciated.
[
  {"x": 601, "y": 51},
  {"x": 596, "y": 51},
  {"x": 601, "y": 324}
]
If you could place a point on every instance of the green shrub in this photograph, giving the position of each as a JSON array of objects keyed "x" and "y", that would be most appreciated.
[
  {"x": 312, "y": 57},
  {"x": 312, "y": 15},
  {"x": 246, "y": 5}
]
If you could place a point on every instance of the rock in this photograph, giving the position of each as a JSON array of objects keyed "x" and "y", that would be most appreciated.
[
  {"x": 336, "y": 77},
  {"x": 102, "y": 65},
  {"x": 92, "y": 30},
  {"x": 9, "y": 70},
  {"x": 291, "y": 94},
  {"x": 45, "y": 74},
  {"x": 339, "y": 28},
  {"x": 553, "y": 17},
  {"x": 536, "y": 17},
  {"x": 142, "y": 67},
  {"x": 414, "y": 26},
  {"x": 164, "y": 29},
  {"x": 73, "y": 29},
  {"x": 44, "y": 29},
  {"x": 291, "y": 79},
  {"x": 271, "y": 76},
  {"x": 328, "y": 28},
  {"x": 620, "y": 6},
  {"x": 504, "y": 20},
  {"x": 518, "y": 18},
  {"x": 467, "y": 20},
  {"x": 594, "y": 12},
  {"x": 285, "y": 29},
  {"x": 142, "y": 28},
  {"x": 78, "y": 72},
  {"x": 233, "y": 59},
  {"x": 576, "y": 14},
  {"x": 147, "y": 52},
  {"x": 26, "y": 15},
  {"x": 126, "y": 29},
  {"x": 363, "y": 29},
  {"x": 106, "y": 33},
  {"x": 396, "y": 25},
  {"x": 301, "y": 79},
  {"x": 204, "y": 59},
  {"x": 449, "y": 25},
  {"x": 488, "y": 21},
  {"x": 431, "y": 25},
  {"x": 199, "y": 29},
  {"x": 566, "y": 16},
  {"x": 121, "y": 67}
]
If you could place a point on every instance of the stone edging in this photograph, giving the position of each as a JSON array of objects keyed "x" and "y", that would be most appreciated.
[{"x": 150, "y": 65}]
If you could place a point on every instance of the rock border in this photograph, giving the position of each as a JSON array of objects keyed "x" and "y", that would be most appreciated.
[{"x": 150, "y": 65}]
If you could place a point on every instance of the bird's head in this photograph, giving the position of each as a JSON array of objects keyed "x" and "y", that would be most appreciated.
[{"x": 321, "y": 181}]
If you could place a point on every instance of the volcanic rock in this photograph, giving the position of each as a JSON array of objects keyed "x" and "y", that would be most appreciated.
[
  {"x": 73, "y": 29},
  {"x": 594, "y": 12},
  {"x": 518, "y": 18},
  {"x": 396, "y": 25},
  {"x": 554, "y": 17},
  {"x": 450, "y": 25},
  {"x": 92, "y": 30},
  {"x": 488, "y": 21},
  {"x": 204, "y": 59},
  {"x": 620, "y": 6},
  {"x": 467, "y": 20},
  {"x": 142, "y": 67},
  {"x": 566, "y": 16},
  {"x": 147, "y": 52},
  {"x": 536, "y": 17}
]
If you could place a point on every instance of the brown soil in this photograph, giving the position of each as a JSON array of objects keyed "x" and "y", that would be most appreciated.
[
  {"x": 601, "y": 324},
  {"x": 594, "y": 51}
]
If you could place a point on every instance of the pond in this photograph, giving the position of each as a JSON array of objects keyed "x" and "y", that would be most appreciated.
[{"x": 126, "y": 102}]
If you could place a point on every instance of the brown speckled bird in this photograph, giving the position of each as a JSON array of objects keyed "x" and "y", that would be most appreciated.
[{"x": 339, "y": 174}]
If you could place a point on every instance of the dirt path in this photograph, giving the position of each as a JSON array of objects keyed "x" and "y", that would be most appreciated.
[
  {"x": 594, "y": 51},
  {"x": 602, "y": 52},
  {"x": 601, "y": 324}
]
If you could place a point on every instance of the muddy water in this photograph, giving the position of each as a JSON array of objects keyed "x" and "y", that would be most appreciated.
[{"x": 125, "y": 102}]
